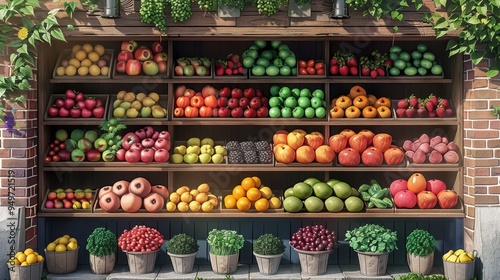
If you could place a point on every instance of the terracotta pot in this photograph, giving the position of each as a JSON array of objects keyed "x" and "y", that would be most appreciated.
[{"x": 268, "y": 264}]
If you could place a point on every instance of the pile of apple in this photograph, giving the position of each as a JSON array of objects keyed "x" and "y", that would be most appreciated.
[
  {"x": 223, "y": 103},
  {"x": 358, "y": 104},
  {"x": 315, "y": 195},
  {"x": 84, "y": 60},
  {"x": 429, "y": 107},
  {"x": 229, "y": 66},
  {"x": 145, "y": 145},
  {"x": 426, "y": 194},
  {"x": 192, "y": 66},
  {"x": 298, "y": 103},
  {"x": 365, "y": 147},
  {"x": 134, "y": 105},
  {"x": 69, "y": 199},
  {"x": 135, "y": 60},
  {"x": 196, "y": 199},
  {"x": 198, "y": 150},
  {"x": 343, "y": 64},
  {"x": 132, "y": 196},
  {"x": 437, "y": 149},
  {"x": 76, "y": 146},
  {"x": 301, "y": 147},
  {"x": 75, "y": 104}
]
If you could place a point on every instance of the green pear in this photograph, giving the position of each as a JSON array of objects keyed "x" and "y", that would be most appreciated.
[
  {"x": 194, "y": 141},
  {"x": 181, "y": 150},
  {"x": 146, "y": 112},
  {"x": 119, "y": 112}
]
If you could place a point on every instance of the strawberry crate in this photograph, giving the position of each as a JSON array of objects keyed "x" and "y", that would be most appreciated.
[{"x": 448, "y": 115}]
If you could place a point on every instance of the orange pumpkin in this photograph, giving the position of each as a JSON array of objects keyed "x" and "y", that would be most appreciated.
[{"x": 417, "y": 183}]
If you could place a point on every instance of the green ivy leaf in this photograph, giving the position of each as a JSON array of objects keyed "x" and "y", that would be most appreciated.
[
  {"x": 473, "y": 20},
  {"x": 477, "y": 56},
  {"x": 492, "y": 72},
  {"x": 58, "y": 34}
]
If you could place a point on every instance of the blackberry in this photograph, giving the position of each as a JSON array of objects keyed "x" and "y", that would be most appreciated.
[
  {"x": 232, "y": 145},
  {"x": 248, "y": 146},
  {"x": 235, "y": 157},
  {"x": 265, "y": 157},
  {"x": 251, "y": 157},
  {"x": 263, "y": 146}
]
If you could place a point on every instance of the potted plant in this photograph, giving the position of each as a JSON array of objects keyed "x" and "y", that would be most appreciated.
[
  {"x": 373, "y": 243},
  {"x": 420, "y": 251},
  {"x": 313, "y": 252},
  {"x": 102, "y": 245},
  {"x": 182, "y": 249},
  {"x": 268, "y": 250},
  {"x": 141, "y": 244},
  {"x": 225, "y": 248}
]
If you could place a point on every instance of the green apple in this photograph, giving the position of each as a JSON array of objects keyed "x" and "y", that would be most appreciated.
[
  {"x": 204, "y": 158},
  {"x": 207, "y": 141},
  {"x": 92, "y": 135},
  {"x": 220, "y": 150},
  {"x": 181, "y": 150},
  {"x": 61, "y": 135},
  {"x": 193, "y": 150},
  {"x": 190, "y": 158},
  {"x": 207, "y": 149},
  {"x": 194, "y": 141},
  {"x": 77, "y": 134},
  {"x": 217, "y": 158},
  {"x": 176, "y": 158}
]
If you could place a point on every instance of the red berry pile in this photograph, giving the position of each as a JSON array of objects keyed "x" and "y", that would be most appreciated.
[
  {"x": 140, "y": 239},
  {"x": 75, "y": 104},
  {"x": 229, "y": 66},
  {"x": 343, "y": 64},
  {"x": 430, "y": 107}
]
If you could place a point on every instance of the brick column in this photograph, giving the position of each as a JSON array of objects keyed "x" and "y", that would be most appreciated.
[
  {"x": 18, "y": 158},
  {"x": 481, "y": 142}
]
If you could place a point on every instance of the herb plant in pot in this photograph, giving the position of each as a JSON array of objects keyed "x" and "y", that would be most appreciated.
[
  {"x": 225, "y": 248},
  {"x": 313, "y": 244},
  {"x": 268, "y": 250},
  {"x": 102, "y": 245},
  {"x": 420, "y": 251},
  {"x": 182, "y": 249},
  {"x": 373, "y": 243}
]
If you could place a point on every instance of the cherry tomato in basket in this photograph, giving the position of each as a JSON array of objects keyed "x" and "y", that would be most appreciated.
[
  {"x": 319, "y": 65},
  {"x": 302, "y": 71},
  {"x": 310, "y": 63},
  {"x": 320, "y": 71},
  {"x": 311, "y": 70},
  {"x": 302, "y": 64}
]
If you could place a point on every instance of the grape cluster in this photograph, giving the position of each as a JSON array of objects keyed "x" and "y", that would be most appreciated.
[
  {"x": 249, "y": 152},
  {"x": 270, "y": 7},
  {"x": 314, "y": 238},
  {"x": 180, "y": 10},
  {"x": 153, "y": 12},
  {"x": 207, "y": 5}
]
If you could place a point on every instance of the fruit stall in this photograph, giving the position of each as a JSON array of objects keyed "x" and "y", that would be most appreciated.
[{"x": 251, "y": 131}]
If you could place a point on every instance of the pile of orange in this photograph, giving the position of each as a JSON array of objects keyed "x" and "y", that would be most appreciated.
[{"x": 251, "y": 194}]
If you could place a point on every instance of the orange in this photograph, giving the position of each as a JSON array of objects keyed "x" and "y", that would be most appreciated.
[
  {"x": 274, "y": 203},
  {"x": 261, "y": 205},
  {"x": 248, "y": 183},
  {"x": 266, "y": 192},
  {"x": 258, "y": 182},
  {"x": 239, "y": 192},
  {"x": 253, "y": 194},
  {"x": 229, "y": 201},
  {"x": 243, "y": 204},
  {"x": 417, "y": 183}
]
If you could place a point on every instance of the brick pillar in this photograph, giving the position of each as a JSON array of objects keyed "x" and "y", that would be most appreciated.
[
  {"x": 481, "y": 142},
  {"x": 18, "y": 158}
]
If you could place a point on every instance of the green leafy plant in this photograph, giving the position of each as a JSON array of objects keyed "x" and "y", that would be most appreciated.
[
  {"x": 477, "y": 21},
  {"x": 182, "y": 244},
  {"x": 380, "y": 8},
  {"x": 268, "y": 244},
  {"x": 153, "y": 12},
  {"x": 270, "y": 7},
  {"x": 101, "y": 242},
  {"x": 413, "y": 276},
  {"x": 420, "y": 242},
  {"x": 224, "y": 242},
  {"x": 372, "y": 238},
  {"x": 180, "y": 10}
]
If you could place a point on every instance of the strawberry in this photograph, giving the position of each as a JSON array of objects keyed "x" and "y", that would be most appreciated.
[
  {"x": 432, "y": 114},
  {"x": 365, "y": 71},
  {"x": 422, "y": 112},
  {"x": 373, "y": 74},
  {"x": 230, "y": 64},
  {"x": 444, "y": 102},
  {"x": 413, "y": 100},
  {"x": 401, "y": 112},
  {"x": 388, "y": 63},
  {"x": 429, "y": 105},
  {"x": 440, "y": 111},
  {"x": 381, "y": 71},
  {"x": 241, "y": 70},
  {"x": 351, "y": 61},
  {"x": 334, "y": 69},
  {"x": 403, "y": 103},
  {"x": 411, "y": 112},
  {"x": 344, "y": 70},
  {"x": 353, "y": 70},
  {"x": 233, "y": 57},
  {"x": 448, "y": 112},
  {"x": 433, "y": 99},
  {"x": 219, "y": 71},
  {"x": 333, "y": 61}
]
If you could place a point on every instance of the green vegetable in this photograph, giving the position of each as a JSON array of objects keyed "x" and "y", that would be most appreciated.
[
  {"x": 152, "y": 12},
  {"x": 365, "y": 196},
  {"x": 363, "y": 188},
  {"x": 371, "y": 204},
  {"x": 182, "y": 244},
  {"x": 388, "y": 201},
  {"x": 420, "y": 242},
  {"x": 224, "y": 242},
  {"x": 378, "y": 203},
  {"x": 372, "y": 238},
  {"x": 414, "y": 276},
  {"x": 268, "y": 244},
  {"x": 381, "y": 194},
  {"x": 101, "y": 242}
]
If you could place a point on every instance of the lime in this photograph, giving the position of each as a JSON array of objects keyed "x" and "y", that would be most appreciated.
[
  {"x": 395, "y": 49},
  {"x": 437, "y": 70},
  {"x": 262, "y": 61},
  {"x": 342, "y": 190},
  {"x": 252, "y": 53},
  {"x": 272, "y": 70},
  {"x": 258, "y": 70},
  {"x": 288, "y": 192},
  {"x": 421, "y": 48},
  {"x": 404, "y": 56},
  {"x": 291, "y": 61},
  {"x": 427, "y": 64},
  {"x": 410, "y": 71},
  {"x": 260, "y": 43},
  {"x": 400, "y": 64},
  {"x": 267, "y": 54},
  {"x": 416, "y": 55},
  {"x": 248, "y": 62},
  {"x": 393, "y": 71},
  {"x": 429, "y": 56},
  {"x": 422, "y": 71},
  {"x": 284, "y": 54},
  {"x": 285, "y": 70},
  {"x": 274, "y": 90}
]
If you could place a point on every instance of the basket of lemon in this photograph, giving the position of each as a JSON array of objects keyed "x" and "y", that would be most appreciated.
[
  {"x": 62, "y": 255},
  {"x": 26, "y": 265}
]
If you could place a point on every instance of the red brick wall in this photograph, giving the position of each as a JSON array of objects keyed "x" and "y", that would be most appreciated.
[
  {"x": 18, "y": 158},
  {"x": 481, "y": 141}
]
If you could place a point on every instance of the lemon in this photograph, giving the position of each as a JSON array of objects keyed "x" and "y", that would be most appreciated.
[
  {"x": 63, "y": 241},
  {"x": 61, "y": 248},
  {"x": 86, "y": 62},
  {"x": 60, "y": 71},
  {"x": 39, "y": 258},
  {"x": 51, "y": 247},
  {"x": 75, "y": 62},
  {"x": 94, "y": 70},
  {"x": 83, "y": 71},
  {"x": 99, "y": 49},
  {"x": 105, "y": 70},
  {"x": 72, "y": 246},
  {"x": 24, "y": 264},
  {"x": 72, "y": 239},
  {"x": 21, "y": 257},
  {"x": 29, "y": 251},
  {"x": 31, "y": 259},
  {"x": 194, "y": 206},
  {"x": 67, "y": 236},
  {"x": 183, "y": 206},
  {"x": 70, "y": 70},
  {"x": 171, "y": 206}
]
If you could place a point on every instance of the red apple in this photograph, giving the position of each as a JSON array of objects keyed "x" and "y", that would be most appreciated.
[
  {"x": 255, "y": 103},
  {"x": 120, "y": 187},
  {"x": 225, "y": 92},
  {"x": 162, "y": 144},
  {"x": 435, "y": 186},
  {"x": 128, "y": 46},
  {"x": 125, "y": 56},
  {"x": 237, "y": 112},
  {"x": 164, "y": 135},
  {"x": 109, "y": 202},
  {"x": 338, "y": 142},
  {"x": 372, "y": 157},
  {"x": 143, "y": 53},
  {"x": 162, "y": 67},
  {"x": 133, "y": 155},
  {"x": 153, "y": 202},
  {"x": 148, "y": 142},
  {"x": 405, "y": 199},
  {"x": 397, "y": 186},
  {"x": 224, "y": 112},
  {"x": 236, "y": 93},
  {"x": 161, "y": 155},
  {"x": 161, "y": 190},
  {"x": 358, "y": 142},
  {"x": 121, "y": 66},
  {"x": 157, "y": 47},
  {"x": 262, "y": 112},
  {"x": 349, "y": 157},
  {"x": 222, "y": 102},
  {"x": 233, "y": 103},
  {"x": 133, "y": 67}
]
